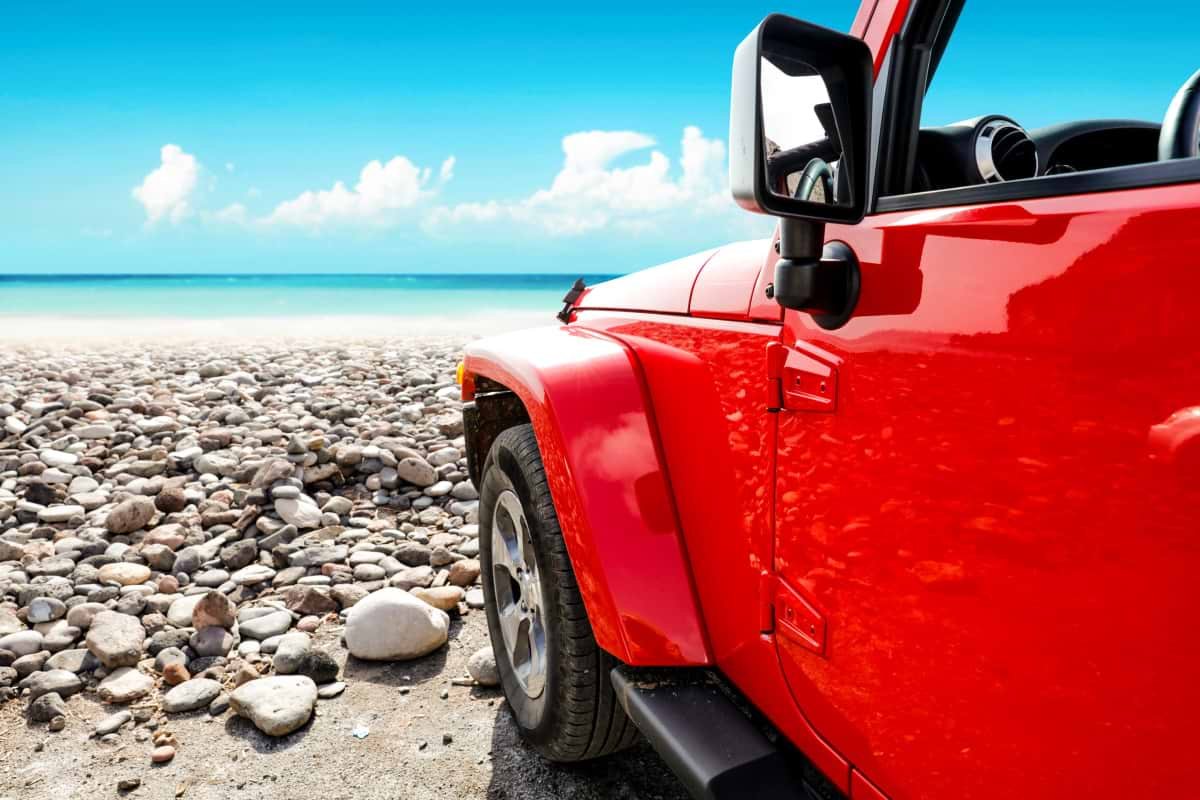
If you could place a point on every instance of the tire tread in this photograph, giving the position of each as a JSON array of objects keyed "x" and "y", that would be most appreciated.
[{"x": 592, "y": 723}]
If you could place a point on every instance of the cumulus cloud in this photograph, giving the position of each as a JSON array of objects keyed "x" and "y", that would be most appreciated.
[
  {"x": 381, "y": 191},
  {"x": 166, "y": 192},
  {"x": 589, "y": 193}
]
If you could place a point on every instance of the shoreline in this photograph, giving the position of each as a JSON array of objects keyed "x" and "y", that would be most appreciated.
[{"x": 83, "y": 332}]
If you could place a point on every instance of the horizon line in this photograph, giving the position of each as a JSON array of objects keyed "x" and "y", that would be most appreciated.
[{"x": 35, "y": 275}]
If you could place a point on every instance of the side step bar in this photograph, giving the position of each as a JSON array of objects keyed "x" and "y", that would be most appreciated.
[{"x": 705, "y": 739}]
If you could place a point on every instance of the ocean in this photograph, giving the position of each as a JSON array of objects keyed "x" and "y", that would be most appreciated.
[{"x": 218, "y": 297}]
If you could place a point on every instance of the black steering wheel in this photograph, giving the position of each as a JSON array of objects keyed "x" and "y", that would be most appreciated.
[
  {"x": 1180, "y": 136},
  {"x": 816, "y": 182}
]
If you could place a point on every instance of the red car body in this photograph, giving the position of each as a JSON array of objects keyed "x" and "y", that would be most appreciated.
[{"x": 959, "y": 562}]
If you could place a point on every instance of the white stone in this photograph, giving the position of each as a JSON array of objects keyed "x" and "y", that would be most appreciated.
[
  {"x": 124, "y": 685},
  {"x": 276, "y": 705},
  {"x": 94, "y": 431},
  {"x": 55, "y": 514},
  {"x": 482, "y": 667},
  {"x": 82, "y": 483},
  {"x": 55, "y": 477},
  {"x": 392, "y": 625},
  {"x": 21, "y": 643},
  {"x": 301, "y": 512},
  {"x": 57, "y": 458},
  {"x": 180, "y": 612},
  {"x": 253, "y": 574}
]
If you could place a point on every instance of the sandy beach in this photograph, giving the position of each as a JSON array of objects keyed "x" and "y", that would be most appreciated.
[{"x": 84, "y": 332}]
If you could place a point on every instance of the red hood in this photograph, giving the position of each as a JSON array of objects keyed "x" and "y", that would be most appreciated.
[
  {"x": 666, "y": 288},
  {"x": 722, "y": 283}
]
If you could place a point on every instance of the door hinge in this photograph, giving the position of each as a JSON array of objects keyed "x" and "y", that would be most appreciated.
[
  {"x": 798, "y": 381},
  {"x": 786, "y": 612},
  {"x": 776, "y": 355}
]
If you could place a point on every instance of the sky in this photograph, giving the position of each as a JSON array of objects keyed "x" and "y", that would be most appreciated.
[{"x": 400, "y": 137}]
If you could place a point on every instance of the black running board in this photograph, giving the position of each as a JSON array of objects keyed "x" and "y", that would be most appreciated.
[{"x": 710, "y": 745}]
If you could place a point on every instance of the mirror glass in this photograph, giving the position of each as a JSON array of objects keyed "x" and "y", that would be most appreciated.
[{"x": 802, "y": 147}]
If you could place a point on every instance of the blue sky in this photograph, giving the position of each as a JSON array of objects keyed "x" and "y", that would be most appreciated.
[{"x": 270, "y": 106}]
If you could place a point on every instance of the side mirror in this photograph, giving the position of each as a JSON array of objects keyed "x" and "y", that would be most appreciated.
[
  {"x": 799, "y": 124},
  {"x": 800, "y": 117}
]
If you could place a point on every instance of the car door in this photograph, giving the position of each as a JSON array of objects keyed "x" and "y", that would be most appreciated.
[{"x": 988, "y": 496}]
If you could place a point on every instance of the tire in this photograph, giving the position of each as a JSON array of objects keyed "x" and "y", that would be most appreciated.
[{"x": 563, "y": 703}]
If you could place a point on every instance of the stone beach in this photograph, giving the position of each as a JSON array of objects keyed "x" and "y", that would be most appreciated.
[{"x": 219, "y": 530}]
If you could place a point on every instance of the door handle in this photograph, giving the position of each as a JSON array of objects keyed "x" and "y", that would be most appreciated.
[{"x": 798, "y": 381}]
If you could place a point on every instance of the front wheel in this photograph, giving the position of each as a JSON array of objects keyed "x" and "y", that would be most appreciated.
[{"x": 555, "y": 677}]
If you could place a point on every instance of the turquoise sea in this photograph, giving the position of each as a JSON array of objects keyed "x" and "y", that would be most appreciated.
[{"x": 231, "y": 296}]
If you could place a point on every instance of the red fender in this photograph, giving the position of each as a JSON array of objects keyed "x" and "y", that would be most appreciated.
[{"x": 586, "y": 398}]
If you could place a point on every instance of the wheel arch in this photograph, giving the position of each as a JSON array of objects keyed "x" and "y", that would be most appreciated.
[{"x": 585, "y": 397}]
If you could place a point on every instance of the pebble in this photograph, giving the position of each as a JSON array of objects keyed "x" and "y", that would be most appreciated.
[
  {"x": 116, "y": 639},
  {"x": 482, "y": 667},
  {"x": 58, "y": 681},
  {"x": 112, "y": 723},
  {"x": 278, "y": 705},
  {"x": 183, "y": 498},
  {"x": 47, "y": 707},
  {"x": 214, "y": 610},
  {"x": 190, "y": 695},
  {"x": 161, "y": 755},
  {"x": 331, "y": 690},
  {"x": 266, "y": 626},
  {"x": 446, "y": 598},
  {"x": 124, "y": 685}
]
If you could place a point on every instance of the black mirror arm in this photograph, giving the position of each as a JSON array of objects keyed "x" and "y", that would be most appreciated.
[{"x": 823, "y": 280}]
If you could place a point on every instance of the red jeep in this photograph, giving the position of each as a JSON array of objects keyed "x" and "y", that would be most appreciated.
[{"x": 904, "y": 502}]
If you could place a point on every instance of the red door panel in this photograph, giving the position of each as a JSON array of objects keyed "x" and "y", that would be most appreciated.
[{"x": 1001, "y": 521}]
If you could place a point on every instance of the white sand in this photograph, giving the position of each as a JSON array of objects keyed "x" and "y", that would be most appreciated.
[{"x": 81, "y": 332}]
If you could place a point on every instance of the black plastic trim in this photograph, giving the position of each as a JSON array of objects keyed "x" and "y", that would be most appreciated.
[
  {"x": 493, "y": 411},
  {"x": 706, "y": 740},
  {"x": 1052, "y": 137},
  {"x": 917, "y": 48},
  {"x": 1162, "y": 173}
]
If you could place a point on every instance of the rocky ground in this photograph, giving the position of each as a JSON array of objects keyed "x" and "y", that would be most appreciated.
[{"x": 251, "y": 571}]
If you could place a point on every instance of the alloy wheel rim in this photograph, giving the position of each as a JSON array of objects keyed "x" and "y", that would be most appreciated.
[{"x": 518, "y": 592}]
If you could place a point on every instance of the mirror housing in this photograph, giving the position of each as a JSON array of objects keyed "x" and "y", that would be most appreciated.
[{"x": 844, "y": 63}]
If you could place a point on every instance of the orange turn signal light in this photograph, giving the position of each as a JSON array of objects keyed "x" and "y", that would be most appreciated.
[{"x": 466, "y": 380}]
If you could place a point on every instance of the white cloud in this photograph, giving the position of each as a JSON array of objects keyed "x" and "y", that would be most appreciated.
[
  {"x": 382, "y": 190},
  {"x": 166, "y": 191},
  {"x": 229, "y": 166},
  {"x": 234, "y": 214},
  {"x": 588, "y": 193}
]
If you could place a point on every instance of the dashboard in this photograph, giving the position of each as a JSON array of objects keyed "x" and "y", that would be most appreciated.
[{"x": 995, "y": 148}]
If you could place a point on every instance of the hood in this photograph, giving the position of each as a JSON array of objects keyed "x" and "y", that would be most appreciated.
[
  {"x": 725, "y": 283},
  {"x": 666, "y": 288}
]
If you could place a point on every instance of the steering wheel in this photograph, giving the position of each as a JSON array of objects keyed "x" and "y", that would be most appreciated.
[
  {"x": 816, "y": 182},
  {"x": 1180, "y": 136}
]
